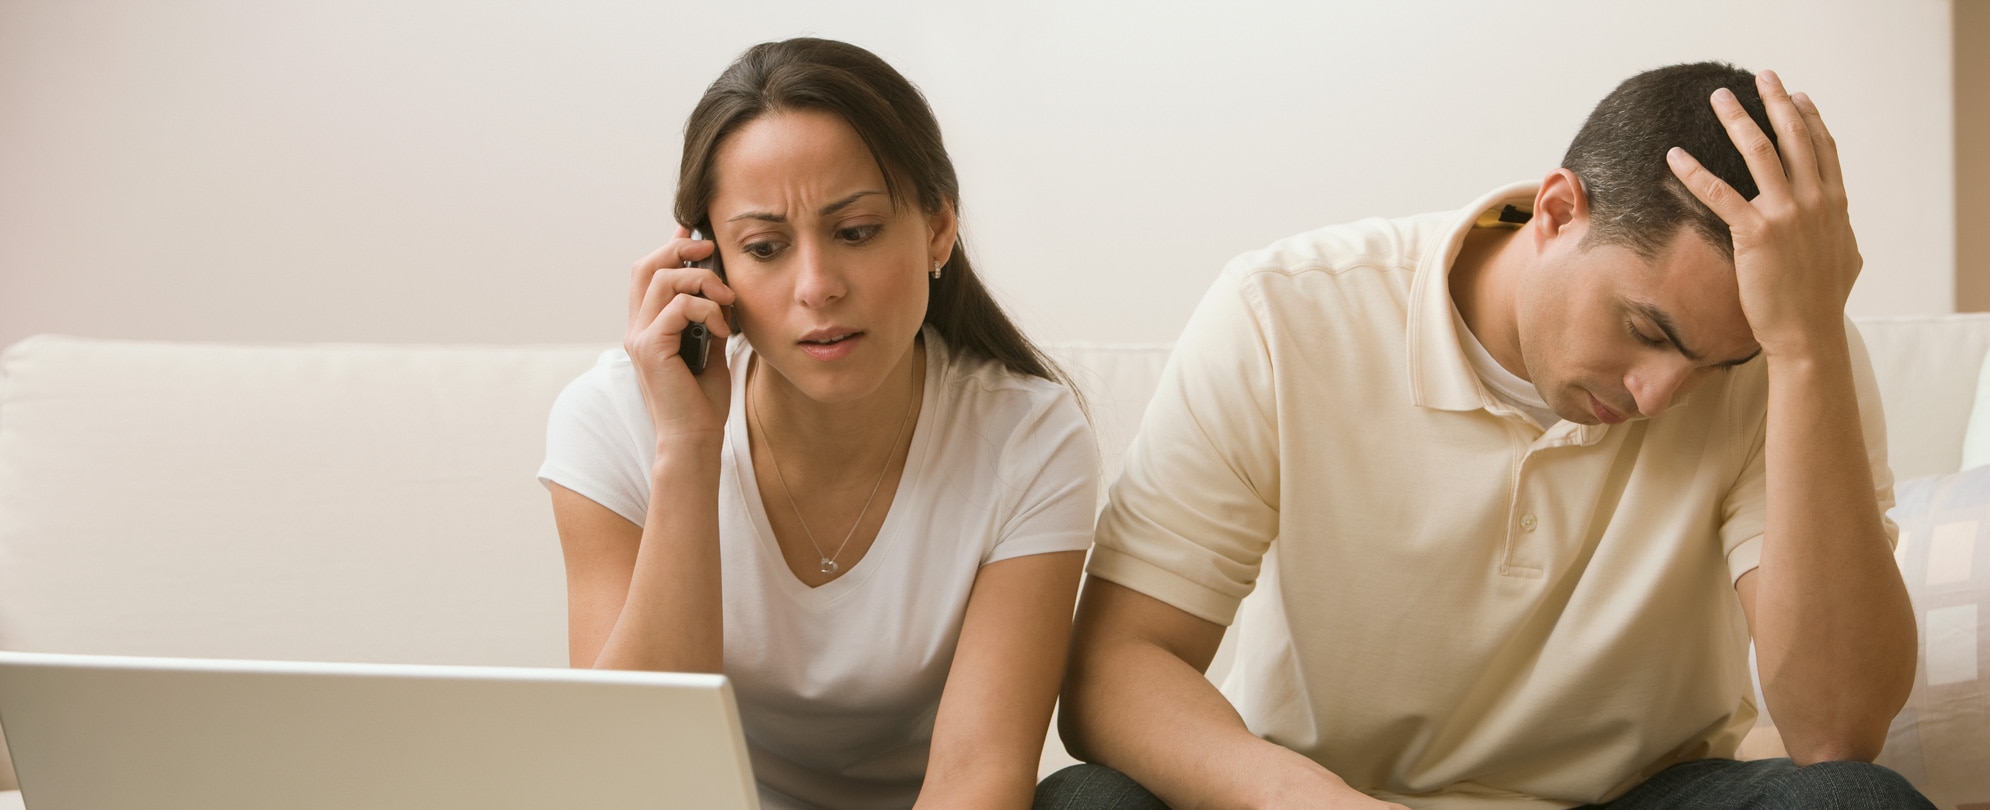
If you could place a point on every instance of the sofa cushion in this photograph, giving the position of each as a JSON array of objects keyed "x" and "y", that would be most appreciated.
[
  {"x": 1976, "y": 441},
  {"x": 1941, "y": 740}
]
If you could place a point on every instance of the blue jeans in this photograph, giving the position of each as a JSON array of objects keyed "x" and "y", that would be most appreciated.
[
  {"x": 1707, "y": 784},
  {"x": 1772, "y": 784}
]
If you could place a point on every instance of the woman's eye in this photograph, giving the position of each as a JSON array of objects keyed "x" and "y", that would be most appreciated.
[
  {"x": 760, "y": 250},
  {"x": 858, "y": 234}
]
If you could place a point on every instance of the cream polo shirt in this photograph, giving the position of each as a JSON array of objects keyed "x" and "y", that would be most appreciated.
[{"x": 1452, "y": 608}]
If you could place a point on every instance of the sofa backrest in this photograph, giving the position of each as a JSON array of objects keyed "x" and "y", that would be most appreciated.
[
  {"x": 1928, "y": 367},
  {"x": 344, "y": 503},
  {"x": 377, "y": 503}
]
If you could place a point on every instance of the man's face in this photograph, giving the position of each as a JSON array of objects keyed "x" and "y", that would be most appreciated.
[{"x": 1609, "y": 336}]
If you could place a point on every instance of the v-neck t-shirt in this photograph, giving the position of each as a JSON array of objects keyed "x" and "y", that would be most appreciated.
[{"x": 838, "y": 685}]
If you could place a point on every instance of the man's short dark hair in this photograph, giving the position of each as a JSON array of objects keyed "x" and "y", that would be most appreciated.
[{"x": 1619, "y": 154}]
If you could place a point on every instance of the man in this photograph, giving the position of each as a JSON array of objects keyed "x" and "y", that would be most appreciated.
[{"x": 1518, "y": 484}]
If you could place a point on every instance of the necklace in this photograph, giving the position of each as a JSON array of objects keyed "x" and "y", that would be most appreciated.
[{"x": 828, "y": 561}]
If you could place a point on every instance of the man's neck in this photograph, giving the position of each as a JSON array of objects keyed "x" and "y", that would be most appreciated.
[{"x": 1483, "y": 281}]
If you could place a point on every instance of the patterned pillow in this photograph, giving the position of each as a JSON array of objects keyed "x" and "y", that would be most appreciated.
[
  {"x": 1976, "y": 437},
  {"x": 1941, "y": 740}
]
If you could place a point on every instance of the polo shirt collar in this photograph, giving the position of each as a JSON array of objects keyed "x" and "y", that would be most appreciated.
[{"x": 1441, "y": 375}]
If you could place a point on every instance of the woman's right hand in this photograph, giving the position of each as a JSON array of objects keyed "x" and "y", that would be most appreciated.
[{"x": 687, "y": 410}]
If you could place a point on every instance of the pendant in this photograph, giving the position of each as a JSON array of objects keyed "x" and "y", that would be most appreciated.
[{"x": 828, "y": 566}]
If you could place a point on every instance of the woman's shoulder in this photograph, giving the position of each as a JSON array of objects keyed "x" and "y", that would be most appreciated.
[
  {"x": 604, "y": 395},
  {"x": 598, "y": 437},
  {"x": 985, "y": 392},
  {"x": 610, "y": 365},
  {"x": 1024, "y": 447},
  {"x": 975, "y": 375}
]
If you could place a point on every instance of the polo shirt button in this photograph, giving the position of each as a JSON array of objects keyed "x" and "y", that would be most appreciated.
[{"x": 1527, "y": 522}]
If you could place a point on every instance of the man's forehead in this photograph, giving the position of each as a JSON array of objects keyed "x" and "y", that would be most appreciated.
[
  {"x": 1693, "y": 344},
  {"x": 1690, "y": 288}
]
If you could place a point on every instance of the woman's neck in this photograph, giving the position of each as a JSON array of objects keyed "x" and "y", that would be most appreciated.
[{"x": 834, "y": 437}]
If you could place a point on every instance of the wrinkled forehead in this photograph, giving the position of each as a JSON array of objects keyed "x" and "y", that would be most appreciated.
[
  {"x": 790, "y": 157},
  {"x": 1693, "y": 283}
]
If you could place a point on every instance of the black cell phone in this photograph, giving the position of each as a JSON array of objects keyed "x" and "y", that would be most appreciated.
[{"x": 696, "y": 344}]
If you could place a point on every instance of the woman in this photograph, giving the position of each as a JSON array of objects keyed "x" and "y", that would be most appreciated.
[{"x": 871, "y": 511}]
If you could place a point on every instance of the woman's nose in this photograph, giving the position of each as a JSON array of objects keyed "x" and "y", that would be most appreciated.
[{"x": 818, "y": 281}]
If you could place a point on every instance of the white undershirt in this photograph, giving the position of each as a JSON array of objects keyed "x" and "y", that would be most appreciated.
[
  {"x": 1504, "y": 385},
  {"x": 838, "y": 685}
]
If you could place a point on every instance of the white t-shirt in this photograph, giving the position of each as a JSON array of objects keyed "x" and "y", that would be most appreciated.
[
  {"x": 1504, "y": 385},
  {"x": 838, "y": 685}
]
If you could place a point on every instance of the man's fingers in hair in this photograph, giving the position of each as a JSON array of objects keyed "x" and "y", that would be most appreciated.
[
  {"x": 1824, "y": 145},
  {"x": 1755, "y": 147},
  {"x": 1708, "y": 188},
  {"x": 1792, "y": 131}
]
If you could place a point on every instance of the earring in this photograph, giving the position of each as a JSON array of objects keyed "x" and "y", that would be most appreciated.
[{"x": 936, "y": 269}]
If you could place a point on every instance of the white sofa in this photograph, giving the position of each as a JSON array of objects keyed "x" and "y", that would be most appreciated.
[{"x": 377, "y": 503}]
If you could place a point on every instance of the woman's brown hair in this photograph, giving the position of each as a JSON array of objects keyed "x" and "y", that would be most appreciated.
[{"x": 898, "y": 126}]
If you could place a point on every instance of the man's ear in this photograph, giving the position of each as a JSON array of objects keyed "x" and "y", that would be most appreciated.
[{"x": 1561, "y": 209}]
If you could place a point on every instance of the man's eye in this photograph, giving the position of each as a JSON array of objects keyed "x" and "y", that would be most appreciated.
[{"x": 1648, "y": 341}]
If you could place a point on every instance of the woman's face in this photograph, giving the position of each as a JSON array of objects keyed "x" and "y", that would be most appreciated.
[{"x": 831, "y": 277}]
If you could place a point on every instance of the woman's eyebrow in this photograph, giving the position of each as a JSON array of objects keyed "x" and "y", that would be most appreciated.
[
  {"x": 846, "y": 202},
  {"x": 827, "y": 210}
]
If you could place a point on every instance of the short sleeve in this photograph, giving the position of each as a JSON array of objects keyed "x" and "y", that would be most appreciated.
[
  {"x": 1054, "y": 453},
  {"x": 1189, "y": 520},
  {"x": 597, "y": 439},
  {"x": 1745, "y": 512}
]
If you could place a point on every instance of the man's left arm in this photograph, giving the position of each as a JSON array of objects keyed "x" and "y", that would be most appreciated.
[{"x": 1834, "y": 632}]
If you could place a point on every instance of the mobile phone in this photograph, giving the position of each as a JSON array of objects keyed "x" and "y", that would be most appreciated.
[{"x": 695, "y": 345}]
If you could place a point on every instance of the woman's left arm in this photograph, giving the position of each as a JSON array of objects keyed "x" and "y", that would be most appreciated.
[{"x": 988, "y": 736}]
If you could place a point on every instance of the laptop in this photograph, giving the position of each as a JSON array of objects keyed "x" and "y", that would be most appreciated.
[{"x": 111, "y": 732}]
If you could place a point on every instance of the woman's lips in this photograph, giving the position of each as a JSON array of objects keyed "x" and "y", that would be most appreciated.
[
  {"x": 1603, "y": 413},
  {"x": 838, "y": 348}
]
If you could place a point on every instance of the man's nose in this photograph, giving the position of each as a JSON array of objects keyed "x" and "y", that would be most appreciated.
[{"x": 1656, "y": 385}]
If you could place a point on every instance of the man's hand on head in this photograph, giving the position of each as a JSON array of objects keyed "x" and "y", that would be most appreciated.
[
  {"x": 1833, "y": 628},
  {"x": 1795, "y": 257}
]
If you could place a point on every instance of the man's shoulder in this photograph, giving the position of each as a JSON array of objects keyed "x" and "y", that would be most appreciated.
[
  {"x": 1375, "y": 243},
  {"x": 1364, "y": 267},
  {"x": 1364, "y": 251}
]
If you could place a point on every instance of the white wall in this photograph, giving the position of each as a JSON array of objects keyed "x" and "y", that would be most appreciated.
[{"x": 463, "y": 171}]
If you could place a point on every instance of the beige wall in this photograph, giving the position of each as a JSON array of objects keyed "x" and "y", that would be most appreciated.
[
  {"x": 460, "y": 171},
  {"x": 1972, "y": 155}
]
